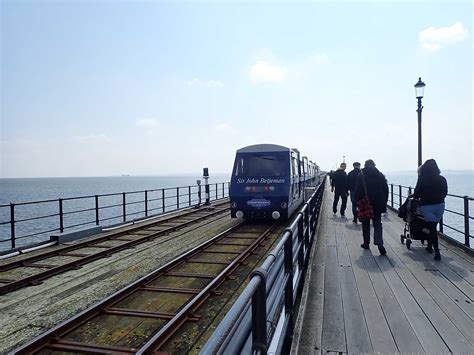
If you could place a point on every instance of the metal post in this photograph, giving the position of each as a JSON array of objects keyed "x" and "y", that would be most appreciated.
[
  {"x": 466, "y": 221},
  {"x": 12, "y": 224},
  {"x": 61, "y": 219},
  {"x": 391, "y": 193},
  {"x": 217, "y": 189},
  {"x": 301, "y": 243},
  {"x": 189, "y": 195},
  {"x": 177, "y": 198},
  {"x": 419, "y": 109},
  {"x": 308, "y": 227},
  {"x": 163, "y": 200},
  {"x": 198, "y": 182},
  {"x": 223, "y": 190},
  {"x": 288, "y": 255},
  {"x": 205, "y": 176},
  {"x": 259, "y": 313},
  {"x": 146, "y": 203},
  {"x": 96, "y": 210},
  {"x": 409, "y": 190},
  {"x": 124, "y": 209},
  {"x": 400, "y": 194}
]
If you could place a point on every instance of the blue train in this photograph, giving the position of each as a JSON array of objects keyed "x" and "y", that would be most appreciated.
[{"x": 268, "y": 181}]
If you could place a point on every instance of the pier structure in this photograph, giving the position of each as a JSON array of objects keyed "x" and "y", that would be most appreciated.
[{"x": 352, "y": 300}]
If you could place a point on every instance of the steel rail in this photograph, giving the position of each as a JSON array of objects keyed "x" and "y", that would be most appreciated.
[
  {"x": 165, "y": 333},
  {"x": 35, "y": 279},
  {"x": 52, "y": 339}
]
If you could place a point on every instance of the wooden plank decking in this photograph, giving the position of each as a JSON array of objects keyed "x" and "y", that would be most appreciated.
[{"x": 356, "y": 301}]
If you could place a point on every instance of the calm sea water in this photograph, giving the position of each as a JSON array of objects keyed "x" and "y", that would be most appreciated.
[{"x": 33, "y": 189}]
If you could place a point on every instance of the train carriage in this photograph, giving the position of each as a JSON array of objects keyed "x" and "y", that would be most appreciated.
[{"x": 267, "y": 182}]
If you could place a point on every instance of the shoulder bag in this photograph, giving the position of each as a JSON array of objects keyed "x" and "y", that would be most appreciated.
[{"x": 364, "y": 207}]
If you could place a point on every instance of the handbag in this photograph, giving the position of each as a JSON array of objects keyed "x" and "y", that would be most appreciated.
[{"x": 364, "y": 207}]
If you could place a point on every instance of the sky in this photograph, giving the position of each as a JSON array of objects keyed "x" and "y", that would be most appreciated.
[{"x": 102, "y": 88}]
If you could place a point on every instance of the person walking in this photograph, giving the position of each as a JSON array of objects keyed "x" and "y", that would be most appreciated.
[
  {"x": 371, "y": 183},
  {"x": 431, "y": 189},
  {"x": 351, "y": 183},
  {"x": 339, "y": 187}
]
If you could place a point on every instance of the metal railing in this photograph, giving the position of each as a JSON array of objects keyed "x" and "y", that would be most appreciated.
[
  {"x": 32, "y": 222},
  {"x": 265, "y": 309},
  {"x": 397, "y": 197}
]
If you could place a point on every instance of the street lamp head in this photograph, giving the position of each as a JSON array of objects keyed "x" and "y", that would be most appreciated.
[{"x": 419, "y": 89}]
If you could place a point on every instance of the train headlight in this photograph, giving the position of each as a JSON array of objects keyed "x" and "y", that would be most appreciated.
[
  {"x": 284, "y": 205},
  {"x": 233, "y": 205},
  {"x": 275, "y": 214},
  {"x": 239, "y": 214}
]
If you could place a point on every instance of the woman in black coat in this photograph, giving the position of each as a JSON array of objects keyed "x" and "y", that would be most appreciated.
[
  {"x": 431, "y": 189},
  {"x": 377, "y": 192}
]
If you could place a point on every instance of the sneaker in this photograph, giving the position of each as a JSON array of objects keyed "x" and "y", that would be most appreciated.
[
  {"x": 365, "y": 246},
  {"x": 382, "y": 250},
  {"x": 354, "y": 220}
]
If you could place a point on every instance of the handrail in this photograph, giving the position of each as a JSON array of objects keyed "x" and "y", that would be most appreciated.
[
  {"x": 465, "y": 214},
  {"x": 58, "y": 215},
  {"x": 267, "y": 303}
]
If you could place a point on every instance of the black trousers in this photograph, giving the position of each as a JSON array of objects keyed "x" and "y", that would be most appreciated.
[
  {"x": 343, "y": 196},
  {"x": 354, "y": 205},
  {"x": 433, "y": 236},
  {"x": 377, "y": 222}
]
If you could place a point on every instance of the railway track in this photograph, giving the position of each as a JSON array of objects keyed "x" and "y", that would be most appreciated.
[
  {"x": 34, "y": 269},
  {"x": 153, "y": 313}
]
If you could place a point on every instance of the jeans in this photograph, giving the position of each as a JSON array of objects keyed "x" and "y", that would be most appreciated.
[
  {"x": 343, "y": 196},
  {"x": 377, "y": 223}
]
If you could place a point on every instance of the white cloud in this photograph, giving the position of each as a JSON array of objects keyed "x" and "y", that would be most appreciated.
[
  {"x": 264, "y": 72},
  {"x": 149, "y": 123},
  {"x": 92, "y": 138},
  {"x": 433, "y": 39},
  {"x": 208, "y": 83},
  {"x": 224, "y": 127}
]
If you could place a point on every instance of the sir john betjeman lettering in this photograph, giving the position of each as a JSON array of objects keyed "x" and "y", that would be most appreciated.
[{"x": 260, "y": 181}]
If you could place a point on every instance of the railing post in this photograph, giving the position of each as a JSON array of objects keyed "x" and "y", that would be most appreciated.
[
  {"x": 391, "y": 194},
  {"x": 189, "y": 195},
  {"x": 124, "y": 208},
  {"x": 163, "y": 200},
  {"x": 217, "y": 189},
  {"x": 301, "y": 242},
  {"x": 146, "y": 203},
  {"x": 308, "y": 227},
  {"x": 259, "y": 313},
  {"x": 400, "y": 194},
  {"x": 97, "y": 210},
  {"x": 466, "y": 221},
  {"x": 288, "y": 254},
  {"x": 199, "y": 195},
  {"x": 223, "y": 190},
  {"x": 409, "y": 190},
  {"x": 12, "y": 224},
  {"x": 61, "y": 216},
  {"x": 177, "y": 198}
]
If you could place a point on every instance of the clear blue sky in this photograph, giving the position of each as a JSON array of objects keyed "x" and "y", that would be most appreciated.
[{"x": 92, "y": 88}]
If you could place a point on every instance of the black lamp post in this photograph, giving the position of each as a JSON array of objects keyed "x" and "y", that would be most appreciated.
[{"x": 419, "y": 90}]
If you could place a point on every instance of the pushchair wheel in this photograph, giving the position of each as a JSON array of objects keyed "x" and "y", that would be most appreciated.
[
  {"x": 402, "y": 239},
  {"x": 408, "y": 243}
]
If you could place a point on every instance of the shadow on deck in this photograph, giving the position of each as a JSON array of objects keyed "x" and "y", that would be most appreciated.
[{"x": 356, "y": 301}]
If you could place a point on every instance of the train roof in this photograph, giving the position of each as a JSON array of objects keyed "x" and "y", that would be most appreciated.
[{"x": 259, "y": 148}]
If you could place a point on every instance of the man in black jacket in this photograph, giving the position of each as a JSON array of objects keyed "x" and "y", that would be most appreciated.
[
  {"x": 372, "y": 183},
  {"x": 339, "y": 184},
  {"x": 351, "y": 182}
]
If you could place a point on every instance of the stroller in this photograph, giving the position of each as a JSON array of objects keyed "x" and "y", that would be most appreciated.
[{"x": 415, "y": 226}]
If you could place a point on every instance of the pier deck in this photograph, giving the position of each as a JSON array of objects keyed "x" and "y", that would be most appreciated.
[{"x": 356, "y": 301}]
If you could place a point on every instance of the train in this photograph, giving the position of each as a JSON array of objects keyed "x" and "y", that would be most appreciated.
[{"x": 268, "y": 181}]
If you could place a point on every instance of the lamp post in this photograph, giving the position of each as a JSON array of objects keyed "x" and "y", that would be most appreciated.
[{"x": 419, "y": 90}]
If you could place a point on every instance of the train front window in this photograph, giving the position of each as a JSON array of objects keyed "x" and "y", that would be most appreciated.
[{"x": 261, "y": 165}]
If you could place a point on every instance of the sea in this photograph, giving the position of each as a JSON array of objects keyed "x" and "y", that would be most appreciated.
[{"x": 20, "y": 190}]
